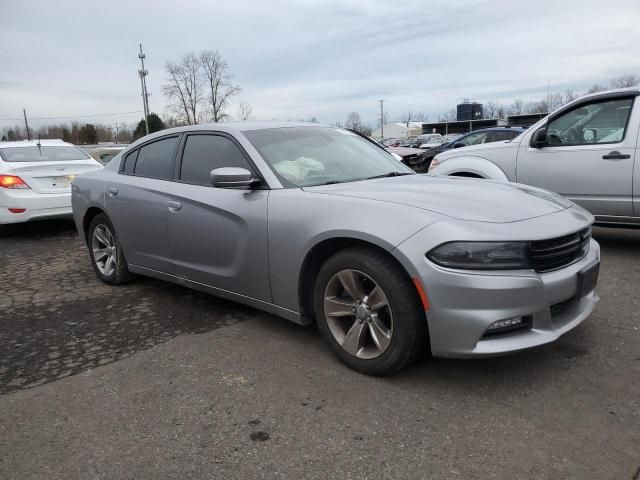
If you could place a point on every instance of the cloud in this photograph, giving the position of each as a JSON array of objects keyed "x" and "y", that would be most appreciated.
[{"x": 296, "y": 59}]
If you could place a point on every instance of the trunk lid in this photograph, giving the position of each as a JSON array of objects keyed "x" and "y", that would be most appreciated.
[{"x": 50, "y": 177}]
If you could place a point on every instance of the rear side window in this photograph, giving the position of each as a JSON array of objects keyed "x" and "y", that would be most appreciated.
[
  {"x": 155, "y": 160},
  {"x": 203, "y": 153}
]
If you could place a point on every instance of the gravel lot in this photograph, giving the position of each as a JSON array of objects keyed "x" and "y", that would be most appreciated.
[{"x": 152, "y": 380}]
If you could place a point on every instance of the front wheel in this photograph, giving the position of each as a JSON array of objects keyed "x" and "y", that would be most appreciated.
[
  {"x": 106, "y": 253},
  {"x": 369, "y": 311}
]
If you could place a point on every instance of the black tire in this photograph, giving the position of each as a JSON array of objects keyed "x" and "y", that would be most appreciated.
[
  {"x": 120, "y": 272},
  {"x": 410, "y": 334}
]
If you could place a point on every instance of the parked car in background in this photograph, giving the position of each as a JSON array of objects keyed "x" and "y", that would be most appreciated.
[
  {"x": 36, "y": 176},
  {"x": 410, "y": 142},
  {"x": 587, "y": 151},
  {"x": 392, "y": 142},
  {"x": 104, "y": 154},
  {"x": 318, "y": 224},
  {"x": 486, "y": 135},
  {"x": 408, "y": 156},
  {"x": 432, "y": 142}
]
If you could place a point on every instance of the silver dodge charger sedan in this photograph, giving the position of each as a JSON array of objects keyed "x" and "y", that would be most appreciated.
[{"x": 317, "y": 224}]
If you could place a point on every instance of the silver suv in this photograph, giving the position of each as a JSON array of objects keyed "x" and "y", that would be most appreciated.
[{"x": 585, "y": 151}]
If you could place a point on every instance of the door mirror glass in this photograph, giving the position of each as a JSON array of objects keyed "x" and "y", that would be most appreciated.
[
  {"x": 232, "y": 177},
  {"x": 539, "y": 138}
]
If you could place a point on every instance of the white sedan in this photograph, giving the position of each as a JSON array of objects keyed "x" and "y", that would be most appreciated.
[{"x": 35, "y": 179}]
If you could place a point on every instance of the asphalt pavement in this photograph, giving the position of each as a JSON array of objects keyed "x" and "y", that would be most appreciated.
[{"x": 152, "y": 380}]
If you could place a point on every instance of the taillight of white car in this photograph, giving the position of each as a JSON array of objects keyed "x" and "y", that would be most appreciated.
[
  {"x": 12, "y": 182},
  {"x": 434, "y": 163}
]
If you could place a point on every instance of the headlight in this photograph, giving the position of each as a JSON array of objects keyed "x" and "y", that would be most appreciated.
[{"x": 481, "y": 255}]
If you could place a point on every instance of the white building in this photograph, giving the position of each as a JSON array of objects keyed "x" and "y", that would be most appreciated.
[{"x": 399, "y": 130}]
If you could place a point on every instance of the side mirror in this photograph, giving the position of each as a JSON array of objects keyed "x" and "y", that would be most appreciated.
[
  {"x": 539, "y": 138},
  {"x": 458, "y": 145},
  {"x": 232, "y": 177}
]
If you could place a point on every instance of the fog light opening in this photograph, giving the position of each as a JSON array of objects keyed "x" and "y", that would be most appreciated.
[{"x": 508, "y": 325}]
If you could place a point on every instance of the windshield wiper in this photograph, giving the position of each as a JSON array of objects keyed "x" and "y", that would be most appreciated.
[{"x": 390, "y": 174}]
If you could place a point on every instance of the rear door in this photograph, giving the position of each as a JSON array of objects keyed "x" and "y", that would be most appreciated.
[
  {"x": 588, "y": 157},
  {"x": 137, "y": 203},
  {"x": 218, "y": 236}
]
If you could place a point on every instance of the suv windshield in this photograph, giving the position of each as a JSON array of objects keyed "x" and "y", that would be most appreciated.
[
  {"x": 307, "y": 156},
  {"x": 42, "y": 154}
]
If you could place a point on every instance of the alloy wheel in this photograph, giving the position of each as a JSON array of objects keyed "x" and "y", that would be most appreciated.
[
  {"x": 358, "y": 314},
  {"x": 103, "y": 245}
]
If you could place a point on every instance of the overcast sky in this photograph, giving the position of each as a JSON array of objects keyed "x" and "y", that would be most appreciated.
[{"x": 301, "y": 58}]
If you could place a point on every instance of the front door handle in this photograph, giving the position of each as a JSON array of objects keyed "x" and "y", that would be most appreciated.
[
  {"x": 112, "y": 191},
  {"x": 615, "y": 155},
  {"x": 174, "y": 206}
]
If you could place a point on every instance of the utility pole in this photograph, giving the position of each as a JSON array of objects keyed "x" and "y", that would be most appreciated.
[
  {"x": 145, "y": 96},
  {"x": 116, "y": 139},
  {"x": 381, "y": 119},
  {"x": 26, "y": 124}
]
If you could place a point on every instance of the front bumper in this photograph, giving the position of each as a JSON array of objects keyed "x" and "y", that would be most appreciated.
[
  {"x": 37, "y": 205},
  {"x": 462, "y": 304}
]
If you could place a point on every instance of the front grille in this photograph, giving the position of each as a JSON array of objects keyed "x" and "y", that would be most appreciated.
[{"x": 547, "y": 255}]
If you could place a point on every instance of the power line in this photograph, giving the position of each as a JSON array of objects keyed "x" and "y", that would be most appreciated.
[{"x": 74, "y": 116}]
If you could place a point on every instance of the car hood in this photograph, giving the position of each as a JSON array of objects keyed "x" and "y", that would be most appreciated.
[
  {"x": 479, "y": 149},
  {"x": 460, "y": 198}
]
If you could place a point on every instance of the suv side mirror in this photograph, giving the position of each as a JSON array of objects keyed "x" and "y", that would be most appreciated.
[
  {"x": 539, "y": 138},
  {"x": 232, "y": 177},
  {"x": 458, "y": 145}
]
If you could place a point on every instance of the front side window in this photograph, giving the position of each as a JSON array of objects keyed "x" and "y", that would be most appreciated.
[
  {"x": 593, "y": 123},
  {"x": 203, "y": 153},
  {"x": 42, "y": 154},
  {"x": 155, "y": 160},
  {"x": 307, "y": 156}
]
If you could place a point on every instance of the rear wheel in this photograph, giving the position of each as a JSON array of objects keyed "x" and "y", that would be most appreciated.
[
  {"x": 369, "y": 311},
  {"x": 106, "y": 254}
]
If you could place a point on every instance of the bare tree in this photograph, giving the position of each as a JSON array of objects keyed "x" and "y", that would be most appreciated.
[
  {"x": 625, "y": 81},
  {"x": 490, "y": 109},
  {"x": 516, "y": 108},
  {"x": 244, "y": 111},
  {"x": 596, "y": 88},
  {"x": 411, "y": 116},
  {"x": 216, "y": 76},
  {"x": 450, "y": 116},
  {"x": 184, "y": 88},
  {"x": 570, "y": 96},
  {"x": 354, "y": 122}
]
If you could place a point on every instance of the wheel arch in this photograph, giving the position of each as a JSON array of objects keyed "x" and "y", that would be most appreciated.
[
  {"x": 320, "y": 253},
  {"x": 471, "y": 166},
  {"x": 91, "y": 213}
]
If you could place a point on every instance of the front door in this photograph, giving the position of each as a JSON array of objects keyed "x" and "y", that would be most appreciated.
[
  {"x": 218, "y": 237},
  {"x": 588, "y": 157}
]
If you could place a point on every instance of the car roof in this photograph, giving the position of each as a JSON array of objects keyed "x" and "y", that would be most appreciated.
[
  {"x": 34, "y": 143},
  {"x": 229, "y": 127}
]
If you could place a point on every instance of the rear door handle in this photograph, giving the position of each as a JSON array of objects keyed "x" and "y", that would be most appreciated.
[
  {"x": 112, "y": 191},
  {"x": 174, "y": 206},
  {"x": 615, "y": 155}
]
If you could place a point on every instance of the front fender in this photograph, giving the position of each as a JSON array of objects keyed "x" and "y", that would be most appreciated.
[{"x": 470, "y": 164}]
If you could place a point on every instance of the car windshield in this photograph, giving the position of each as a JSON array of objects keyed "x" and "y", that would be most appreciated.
[
  {"x": 307, "y": 156},
  {"x": 42, "y": 154}
]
